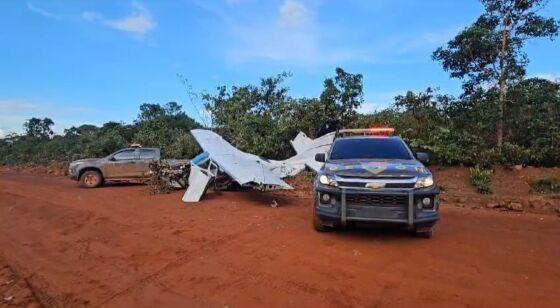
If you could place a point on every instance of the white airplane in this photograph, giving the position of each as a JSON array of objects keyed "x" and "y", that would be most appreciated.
[{"x": 249, "y": 170}]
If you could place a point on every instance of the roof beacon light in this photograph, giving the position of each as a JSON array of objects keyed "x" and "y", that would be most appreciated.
[
  {"x": 382, "y": 131},
  {"x": 374, "y": 131}
]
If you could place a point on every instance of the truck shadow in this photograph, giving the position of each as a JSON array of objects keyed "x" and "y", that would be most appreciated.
[
  {"x": 382, "y": 233},
  {"x": 120, "y": 184}
]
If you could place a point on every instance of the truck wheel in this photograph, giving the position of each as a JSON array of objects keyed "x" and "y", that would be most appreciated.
[
  {"x": 91, "y": 179},
  {"x": 318, "y": 223},
  {"x": 424, "y": 233}
]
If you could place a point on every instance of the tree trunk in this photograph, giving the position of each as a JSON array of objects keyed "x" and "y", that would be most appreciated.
[{"x": 502, "y": 87}]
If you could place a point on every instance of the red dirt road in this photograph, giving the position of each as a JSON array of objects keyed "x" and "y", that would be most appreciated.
[{"x": 118, "y": 247}]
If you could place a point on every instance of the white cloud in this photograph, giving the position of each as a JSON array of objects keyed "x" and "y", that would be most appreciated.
[
  {"x": 139, "y": 22},
  {"x": 291, "y": 37},
  {"x": 2, "y": 133},
  {"x": 40, "y": 11},
  {"x": 294, "y": 36},
  {"x": 293, "y": 14}
]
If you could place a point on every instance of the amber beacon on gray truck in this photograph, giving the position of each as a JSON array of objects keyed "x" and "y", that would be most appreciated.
[{"x": 372, "y": 177}]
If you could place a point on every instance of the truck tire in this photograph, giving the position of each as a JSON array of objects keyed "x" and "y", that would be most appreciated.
[
  {"x": 317, "y": 223},
  {"x": 424, "y": 233},
  {"x": 91, "y": 179}
]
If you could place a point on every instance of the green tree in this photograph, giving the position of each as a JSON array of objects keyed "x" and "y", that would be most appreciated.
[
  {"x": 532, "y": 122},
  {"x": 38, "y": 128},
  {"x": 256, "y": 119},
  {"x": 167, "y": 127},
  {"x": 489, "y": 52},
  {"x": 422, "y": 112},
  {"x": 342, "y": 95}
]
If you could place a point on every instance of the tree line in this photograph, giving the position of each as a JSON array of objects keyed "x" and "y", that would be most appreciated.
[{"x": 501, "y": 116}]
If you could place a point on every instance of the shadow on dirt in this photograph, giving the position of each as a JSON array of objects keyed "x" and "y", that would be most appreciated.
[
  {"x": 120, "y": 184},
  {"x": 380, "y": 233},
  {"x": 258, "y": 198}
]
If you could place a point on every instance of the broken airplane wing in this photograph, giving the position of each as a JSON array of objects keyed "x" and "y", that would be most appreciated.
[
  {"x": 247, "y": 169},
  {"x": 306, "y": 148},
  {"x": 243, "y": 167}
]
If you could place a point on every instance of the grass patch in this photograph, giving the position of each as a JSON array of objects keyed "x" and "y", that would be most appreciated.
[
  {"x": 481, "y": 179},
  {"x": 547, "y": 184}
]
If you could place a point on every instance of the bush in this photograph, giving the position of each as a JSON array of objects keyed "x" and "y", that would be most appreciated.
[
  {"x": 481, "y": 179},
  {"x": 513, "y": 154},
  {"x": 262, "y": 119},
  {"x": 548, "y": 184}
]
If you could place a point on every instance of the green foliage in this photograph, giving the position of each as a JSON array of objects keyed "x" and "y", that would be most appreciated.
[
  {"x": 262, "y": 119},
  {"x": 166, "y": 127},
  {"x": 38, "y": 128},
  {"x": 256, "y": 119},
  {"x": 481, "y": 179},
  {"x": 513, "y": 154},
  {"x": 461, "y": 131},
  {"x": 548, "y": 184},
  {"x": 489, "y": 52},
  {"x": 342, "y": 96}
]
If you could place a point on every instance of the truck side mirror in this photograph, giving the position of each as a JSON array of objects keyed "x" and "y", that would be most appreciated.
[
  {"x": 423, "y": 157},
  {"x": 112, "y": 158},
  {"x": 320, "y": 157}
]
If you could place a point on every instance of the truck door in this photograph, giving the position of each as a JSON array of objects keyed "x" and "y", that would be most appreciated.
[
  {"x": 146, "y": 157},
  {"x": 123, "y": 164}
]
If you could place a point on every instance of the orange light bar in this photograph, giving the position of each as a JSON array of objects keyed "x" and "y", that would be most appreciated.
[
  {"x": 384, "y": 131},
  {"x": 374, "y": 131}
]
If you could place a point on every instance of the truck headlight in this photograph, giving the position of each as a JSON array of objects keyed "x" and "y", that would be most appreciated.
[
  {"x": 327, "y": 180},
  {"x": 424, "y": 182}
]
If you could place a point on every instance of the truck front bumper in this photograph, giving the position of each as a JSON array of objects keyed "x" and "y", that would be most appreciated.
[
  {"x": 73, "y": 173},
  {"x": 383, "y": 206}
]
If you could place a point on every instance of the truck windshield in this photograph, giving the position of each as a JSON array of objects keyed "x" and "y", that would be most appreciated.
[{"x": 370, "y": 148}]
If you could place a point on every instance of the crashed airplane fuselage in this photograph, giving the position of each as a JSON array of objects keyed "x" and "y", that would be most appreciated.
[{"x": 249, "y": 170}]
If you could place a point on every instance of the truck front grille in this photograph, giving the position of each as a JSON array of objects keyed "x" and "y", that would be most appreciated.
[
  {"x": 352, "y": 184},
  {"x": 377, "y": 200},
  {"x": 400, "y": 185},
  {"x": 387, "y": 185}
]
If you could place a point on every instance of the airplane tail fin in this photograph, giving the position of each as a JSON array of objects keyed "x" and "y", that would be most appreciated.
[{"x": 301, "y": 143}]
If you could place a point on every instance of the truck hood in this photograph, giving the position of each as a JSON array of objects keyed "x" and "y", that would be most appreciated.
[
  {"x": 376, "y": 168},
  {"x": 86, "y": 160}
]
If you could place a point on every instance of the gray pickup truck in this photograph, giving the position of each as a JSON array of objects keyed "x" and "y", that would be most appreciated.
[{"x": 130, "y": 165}]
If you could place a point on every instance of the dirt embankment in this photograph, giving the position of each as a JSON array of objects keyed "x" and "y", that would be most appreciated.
[
  {"x": 118, "y": 246},
  {"x": 511, "y": 190}
]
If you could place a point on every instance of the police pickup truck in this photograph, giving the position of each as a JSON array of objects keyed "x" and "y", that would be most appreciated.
[{"x": 372, "y": 177}]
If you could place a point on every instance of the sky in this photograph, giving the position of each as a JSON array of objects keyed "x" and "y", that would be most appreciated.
[{"x": 81, "y": 62}]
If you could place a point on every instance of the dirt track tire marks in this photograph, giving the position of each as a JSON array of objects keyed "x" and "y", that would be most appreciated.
[
  {"x": 183, "y": 259},
  {"x": 118, "y": 246},
  {"x": 16, "y": 290}
]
